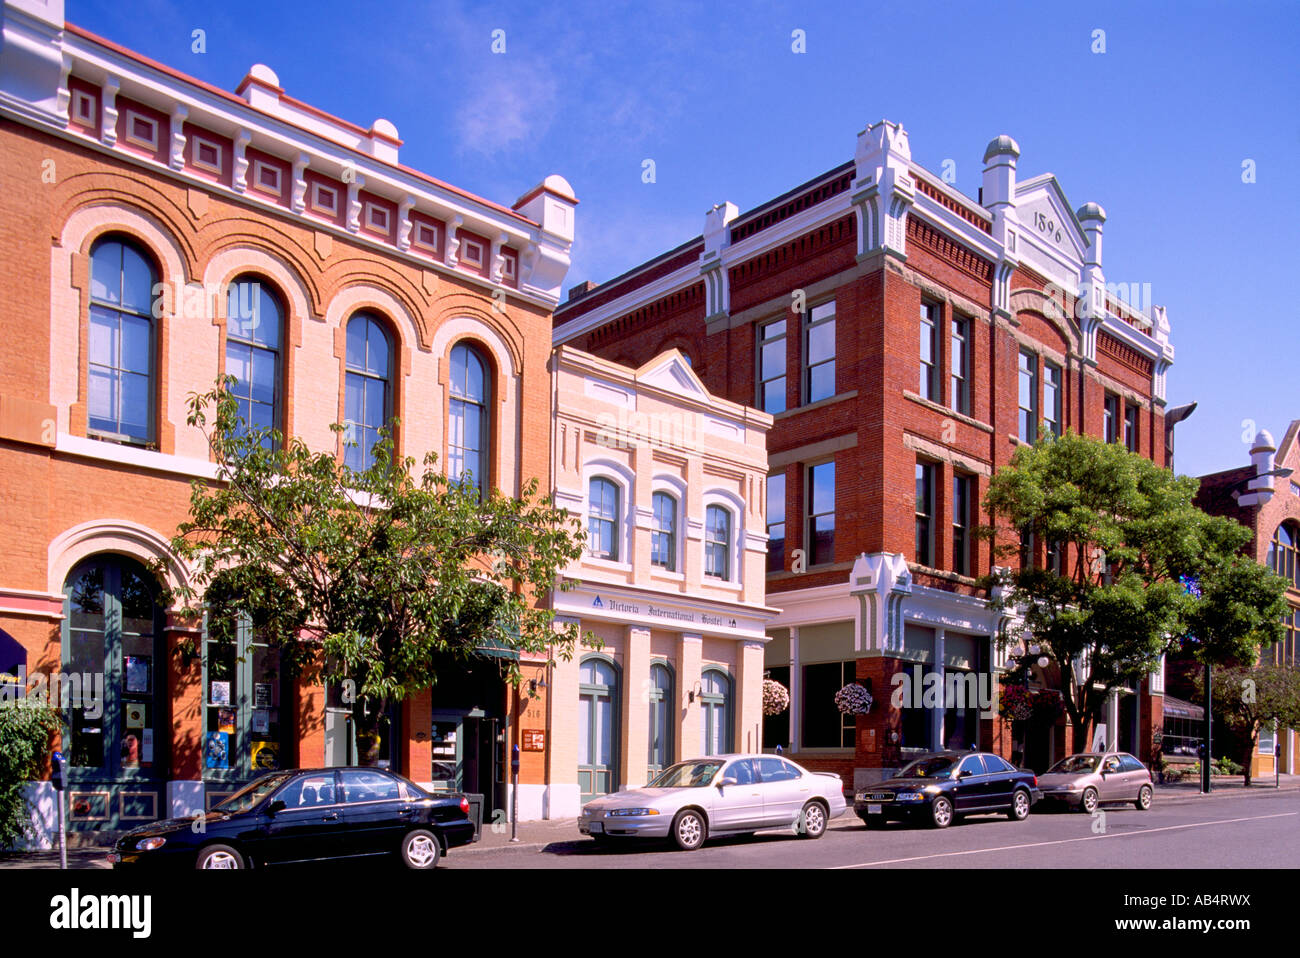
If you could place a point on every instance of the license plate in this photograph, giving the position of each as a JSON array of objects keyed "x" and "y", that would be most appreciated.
[
  {"x": 596, "y": 828},
  {"x": 873, "y": 810}
]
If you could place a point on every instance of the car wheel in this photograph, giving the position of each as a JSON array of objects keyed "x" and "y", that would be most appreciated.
[
  {"x": 689, "y": 830},
  {"x": 1144, "y": 798},
  {"x": 220, "y": 856},
  {"x": 1019, "y": 806},
  {"x": 420, "y": 850},
  {"x": 941, "y": 812},
  {"x": 812, "y": 821},
  {"x": 1088, "y": 802}
]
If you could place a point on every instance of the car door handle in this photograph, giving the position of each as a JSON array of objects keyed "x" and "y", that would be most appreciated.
[
  {"x": 406, "y": 813},
  {"x": 331, "y": 817}
]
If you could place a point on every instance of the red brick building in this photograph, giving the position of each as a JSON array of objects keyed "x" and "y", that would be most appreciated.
[
  {"x": 906, "y": 338},
  {"x": 1265, "y": 497},
  {"x": 137, "y": 207}
]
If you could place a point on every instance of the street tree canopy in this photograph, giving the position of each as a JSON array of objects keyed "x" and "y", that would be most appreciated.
[
  {"x": 371, "y": 579},
  {"x": 1132, "y": 569}
]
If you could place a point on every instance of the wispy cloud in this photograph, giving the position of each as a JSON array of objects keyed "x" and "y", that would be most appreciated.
[{"x": 513, "y": 105}]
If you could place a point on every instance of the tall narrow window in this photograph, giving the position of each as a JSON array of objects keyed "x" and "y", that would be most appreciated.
[
  {"x": 1052, "y": 397},
  {"x": 961, "y": 523},
  {"x": 254, "y": 327},
  {"x": 1284, "y": 552},
  {"x": 1112, "y": 417},
  {"x": 661, "y": 718},
  {"x": 121, "y": 355},
  {"x": 1130, "y": 427},
  {"x": 599, "y": 728},
  {"x": 717, "y": 543},
  {"x": 959, "y": 362},
  {"x": 820, "y": 540},
  {"x": 1028, "y": 548},
  {"x": 1028, "y": 421},
  {"x": 368, "y": 399},
  {"x": 925, "y": 513},
  {"x": 467, "y": 439},
  {"x": 929, "y": 384},
  {"x": 1056, "y": 556},
  {"x": 663, "y": 536},
  {"x": 715, "y": 708},
  {"x": 771, "y": 366},
  {"x": 819, "y": 353},
  {"x": 776, "y": 522},
  {"x": 602, "y": 519}
]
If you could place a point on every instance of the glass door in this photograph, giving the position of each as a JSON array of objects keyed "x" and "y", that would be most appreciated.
[{"x": 597, "y": 728}]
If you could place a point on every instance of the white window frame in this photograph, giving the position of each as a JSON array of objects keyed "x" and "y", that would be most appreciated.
[
  {"x": 675, "y": 487},
  {"x": 624, "y": 479},
  {"x": 735, "y": 549},
  {"x": 197, "y": 142},
  {"x": 85, "y": 108},
  {"x": 151, "y": 144},
  {"x": 317, "y": 190},
  {"x": 260, "y": 167},
  {"x": 468, "y": 243},
  {"x": 373, "y": 210},
  {"x": 417, "y": 237}
]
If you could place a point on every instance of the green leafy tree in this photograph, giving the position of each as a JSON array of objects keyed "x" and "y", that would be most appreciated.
[
  {"x": 1136, "y": 568},
  {"x": 1247, "y": 699},
  {"x": 26, "y": 728},
  {"x": 375, "y": 580}
]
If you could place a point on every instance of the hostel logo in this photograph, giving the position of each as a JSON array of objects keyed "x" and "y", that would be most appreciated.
[
  {"x": 952, "y": 690},
  {"x": 597, "y": 604}
]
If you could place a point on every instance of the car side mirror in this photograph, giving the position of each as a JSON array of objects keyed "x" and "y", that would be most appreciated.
[
  {"x": 275, "y": 807},
  {"x": 965, "y": 773},
  {"x": 726, "y": 781}
]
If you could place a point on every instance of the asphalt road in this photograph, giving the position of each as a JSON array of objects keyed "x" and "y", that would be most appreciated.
[{"x": 1256, "y": 831}]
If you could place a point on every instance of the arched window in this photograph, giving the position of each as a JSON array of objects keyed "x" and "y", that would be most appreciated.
[
  {"x": 603, "y": 519},
  {"x": 598, "y": 727},
  {"x": 1284, "y": 552},
  {"x": 254, "y": 329},
  {"x": 368, "y": 393},
  {"x": 117, "y": 740},
  {"x": 469, "y": 429},
  {"x": 715, "y": 708},
  {"x": 121, "y": 354},
  {"x": 661, "y": 718},
  {"x": 717, "y": 542},
  {"x": 663, "y": 536}
]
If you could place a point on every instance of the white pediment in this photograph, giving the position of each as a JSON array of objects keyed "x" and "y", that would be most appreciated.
[
  {"x": 1048, "y": 223},
  {"x": 673, "y": 374}
]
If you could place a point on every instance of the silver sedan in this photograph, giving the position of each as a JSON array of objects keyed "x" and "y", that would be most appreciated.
[
  {"x": 719, "y": 795},
  {"x": 1090, "y": 779}
]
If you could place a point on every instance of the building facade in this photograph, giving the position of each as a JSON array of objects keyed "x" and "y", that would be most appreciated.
[
  {"x": 1265, "y": 497},
  {"x": 159, "y": 232},
  {"x": 667, "y": 480},
  {"x": 906, "y": 339}
]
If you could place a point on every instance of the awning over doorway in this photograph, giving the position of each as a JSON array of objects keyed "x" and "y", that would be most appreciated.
[{"x": 1177, "y": 708}]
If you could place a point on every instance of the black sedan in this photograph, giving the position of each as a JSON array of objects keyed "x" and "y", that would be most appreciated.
[
  {"x": 942, "y": 786},
  {"x": 307, "y": 815}
]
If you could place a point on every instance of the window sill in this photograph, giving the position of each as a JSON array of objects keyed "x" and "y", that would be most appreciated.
[
  {"x": 660, "y": 573},
  {"x": 607, "y": 563},
  {"x": 937, "y": 407},
  {"x": 829, "y": 401},
  {"x": 722, "y": 584},
  {"x": 1017, "y": 441},
  {"x": 916, "y": 567}
]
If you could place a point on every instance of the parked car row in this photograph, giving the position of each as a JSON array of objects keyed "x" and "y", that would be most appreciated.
[{"x": 726, "y": 795}]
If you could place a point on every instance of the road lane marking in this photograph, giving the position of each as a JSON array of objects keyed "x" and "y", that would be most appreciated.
[{"x": 1062, "y": 841}]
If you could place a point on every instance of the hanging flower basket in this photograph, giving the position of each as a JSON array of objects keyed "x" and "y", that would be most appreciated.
[
  {"x": 1048, "y": 705},
  {"x": 1015, "y": 704},
  {"x": 776, "y": 698},
  {"x": 853, "y": 699}
]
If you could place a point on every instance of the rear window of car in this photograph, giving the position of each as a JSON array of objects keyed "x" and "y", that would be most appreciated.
[
  {"x": 776, "y": 770},
  {"x": 996, "y": 766},
  {"x": 1128, "y": 763},
  {"x": 367, "y": 787}
]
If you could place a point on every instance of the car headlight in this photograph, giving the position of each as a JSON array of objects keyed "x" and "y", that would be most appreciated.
[
  {"x": 910, "y": 797},
  {"x": 149, "y": 844},
  {"x": 633, "y": 811}
]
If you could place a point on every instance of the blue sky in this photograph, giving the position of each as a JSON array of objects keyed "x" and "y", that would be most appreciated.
[{"x": 1155, "y": 129}]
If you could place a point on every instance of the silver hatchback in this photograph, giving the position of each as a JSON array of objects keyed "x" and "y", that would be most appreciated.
[
  {"x": 1091, "y": 779},
  {"x": 719, "y": 795}
]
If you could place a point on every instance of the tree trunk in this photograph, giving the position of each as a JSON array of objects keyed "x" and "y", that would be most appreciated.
[{"x": 1249, "y": 751}]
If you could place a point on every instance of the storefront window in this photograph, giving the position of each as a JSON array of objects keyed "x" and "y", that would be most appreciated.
[
  {"x": 715, "y": 706},
  {"x": 661, "y": 719},
  {"x": 242, "y": 723},
  {"x": 823, "y": 724}
]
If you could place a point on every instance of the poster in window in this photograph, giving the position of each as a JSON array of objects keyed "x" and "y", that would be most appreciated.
[
  {"x": 266, "y": 756},
  {"x": 216, "y": 750},
  {"x": 261, "y": 722},
  {"x": 135, "y": 715},
  {"x": 137, "y": 673},
  {"x": 131, "y": 751},
  {"x": 225, "y": 720},
  {"x": 220, "y": 693},
  {"x": 146, "y": 747},
  {"x": 262, "y": 695}
]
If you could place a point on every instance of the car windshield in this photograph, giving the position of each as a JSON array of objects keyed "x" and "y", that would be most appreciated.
[
  {"x": 251, "y": 794},
  {"x": 686, "y": 775},
  {"x": 1075, "y": 764},
  {"x": 935, "y": 766}
]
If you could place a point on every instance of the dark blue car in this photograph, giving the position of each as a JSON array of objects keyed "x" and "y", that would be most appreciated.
[
  {"x": 307, "y": 815},
  {"x": 942, "y": 786}
]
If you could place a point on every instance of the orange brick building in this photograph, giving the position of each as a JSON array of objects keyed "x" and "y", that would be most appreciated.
[
  {"x": 906, "y": 339},
  {"x": 137, "y": 207}
]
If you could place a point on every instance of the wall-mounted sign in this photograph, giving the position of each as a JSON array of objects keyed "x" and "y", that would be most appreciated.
[{"x": 534, "y": 740}]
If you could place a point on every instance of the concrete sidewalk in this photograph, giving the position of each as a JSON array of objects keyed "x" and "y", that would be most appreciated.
[{"x": 1225, "y": 785}]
